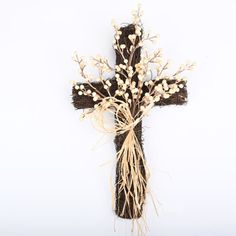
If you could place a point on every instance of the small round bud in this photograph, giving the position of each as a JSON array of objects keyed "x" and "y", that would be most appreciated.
[
  {"x": 140, "y": 77},
  {"x": 117, "y": 68},
  {"x": 166, "y": 95},
  {"x": 142, "y": 108},
  {"x": 140, "y": 44},
  {"x": 150, "y": 82}
]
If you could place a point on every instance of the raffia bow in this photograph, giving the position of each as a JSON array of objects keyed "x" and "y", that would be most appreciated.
[{"x": 133, "y": 181}]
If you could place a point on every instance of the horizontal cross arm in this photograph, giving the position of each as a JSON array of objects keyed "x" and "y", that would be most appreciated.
[
  {"x": 178, "y": 98},
  {"x": 83, "y": 101}
]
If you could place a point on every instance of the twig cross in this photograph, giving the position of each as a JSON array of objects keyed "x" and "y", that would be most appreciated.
[{"x": 129, "y": 87}]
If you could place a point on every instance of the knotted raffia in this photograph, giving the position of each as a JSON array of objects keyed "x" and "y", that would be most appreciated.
[
  {"x": 131, "y": 169},
  {"x": 131, "y": 179}
]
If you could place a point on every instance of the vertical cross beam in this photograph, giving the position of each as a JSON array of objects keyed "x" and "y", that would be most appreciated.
[{"x": 124, "y": 207}]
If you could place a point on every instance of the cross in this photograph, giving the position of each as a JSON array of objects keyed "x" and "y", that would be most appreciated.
[{"x": 128, "y": 200}]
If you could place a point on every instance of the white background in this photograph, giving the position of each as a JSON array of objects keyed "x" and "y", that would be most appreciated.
[{"x": 51, "y": 181}]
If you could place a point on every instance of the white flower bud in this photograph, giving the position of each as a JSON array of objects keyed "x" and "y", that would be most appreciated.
[
  {"x": 117, "y": 68},
  {"x": 165, "y": 86},
  {"x": 150, "y": 82},
  {"x": 140, "y": 44},
  {"x": 130, "y": 74},
  {"x": 133, "y": 84},
  {"x": 138, "y": 33},
  {"x": 124, "y": 87},
  {"x": 166, "y": 95},
  {"x": 140, "y": 77},
  {"x": 135, "y": 90},
  {"x": 108, "y": 83}
]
